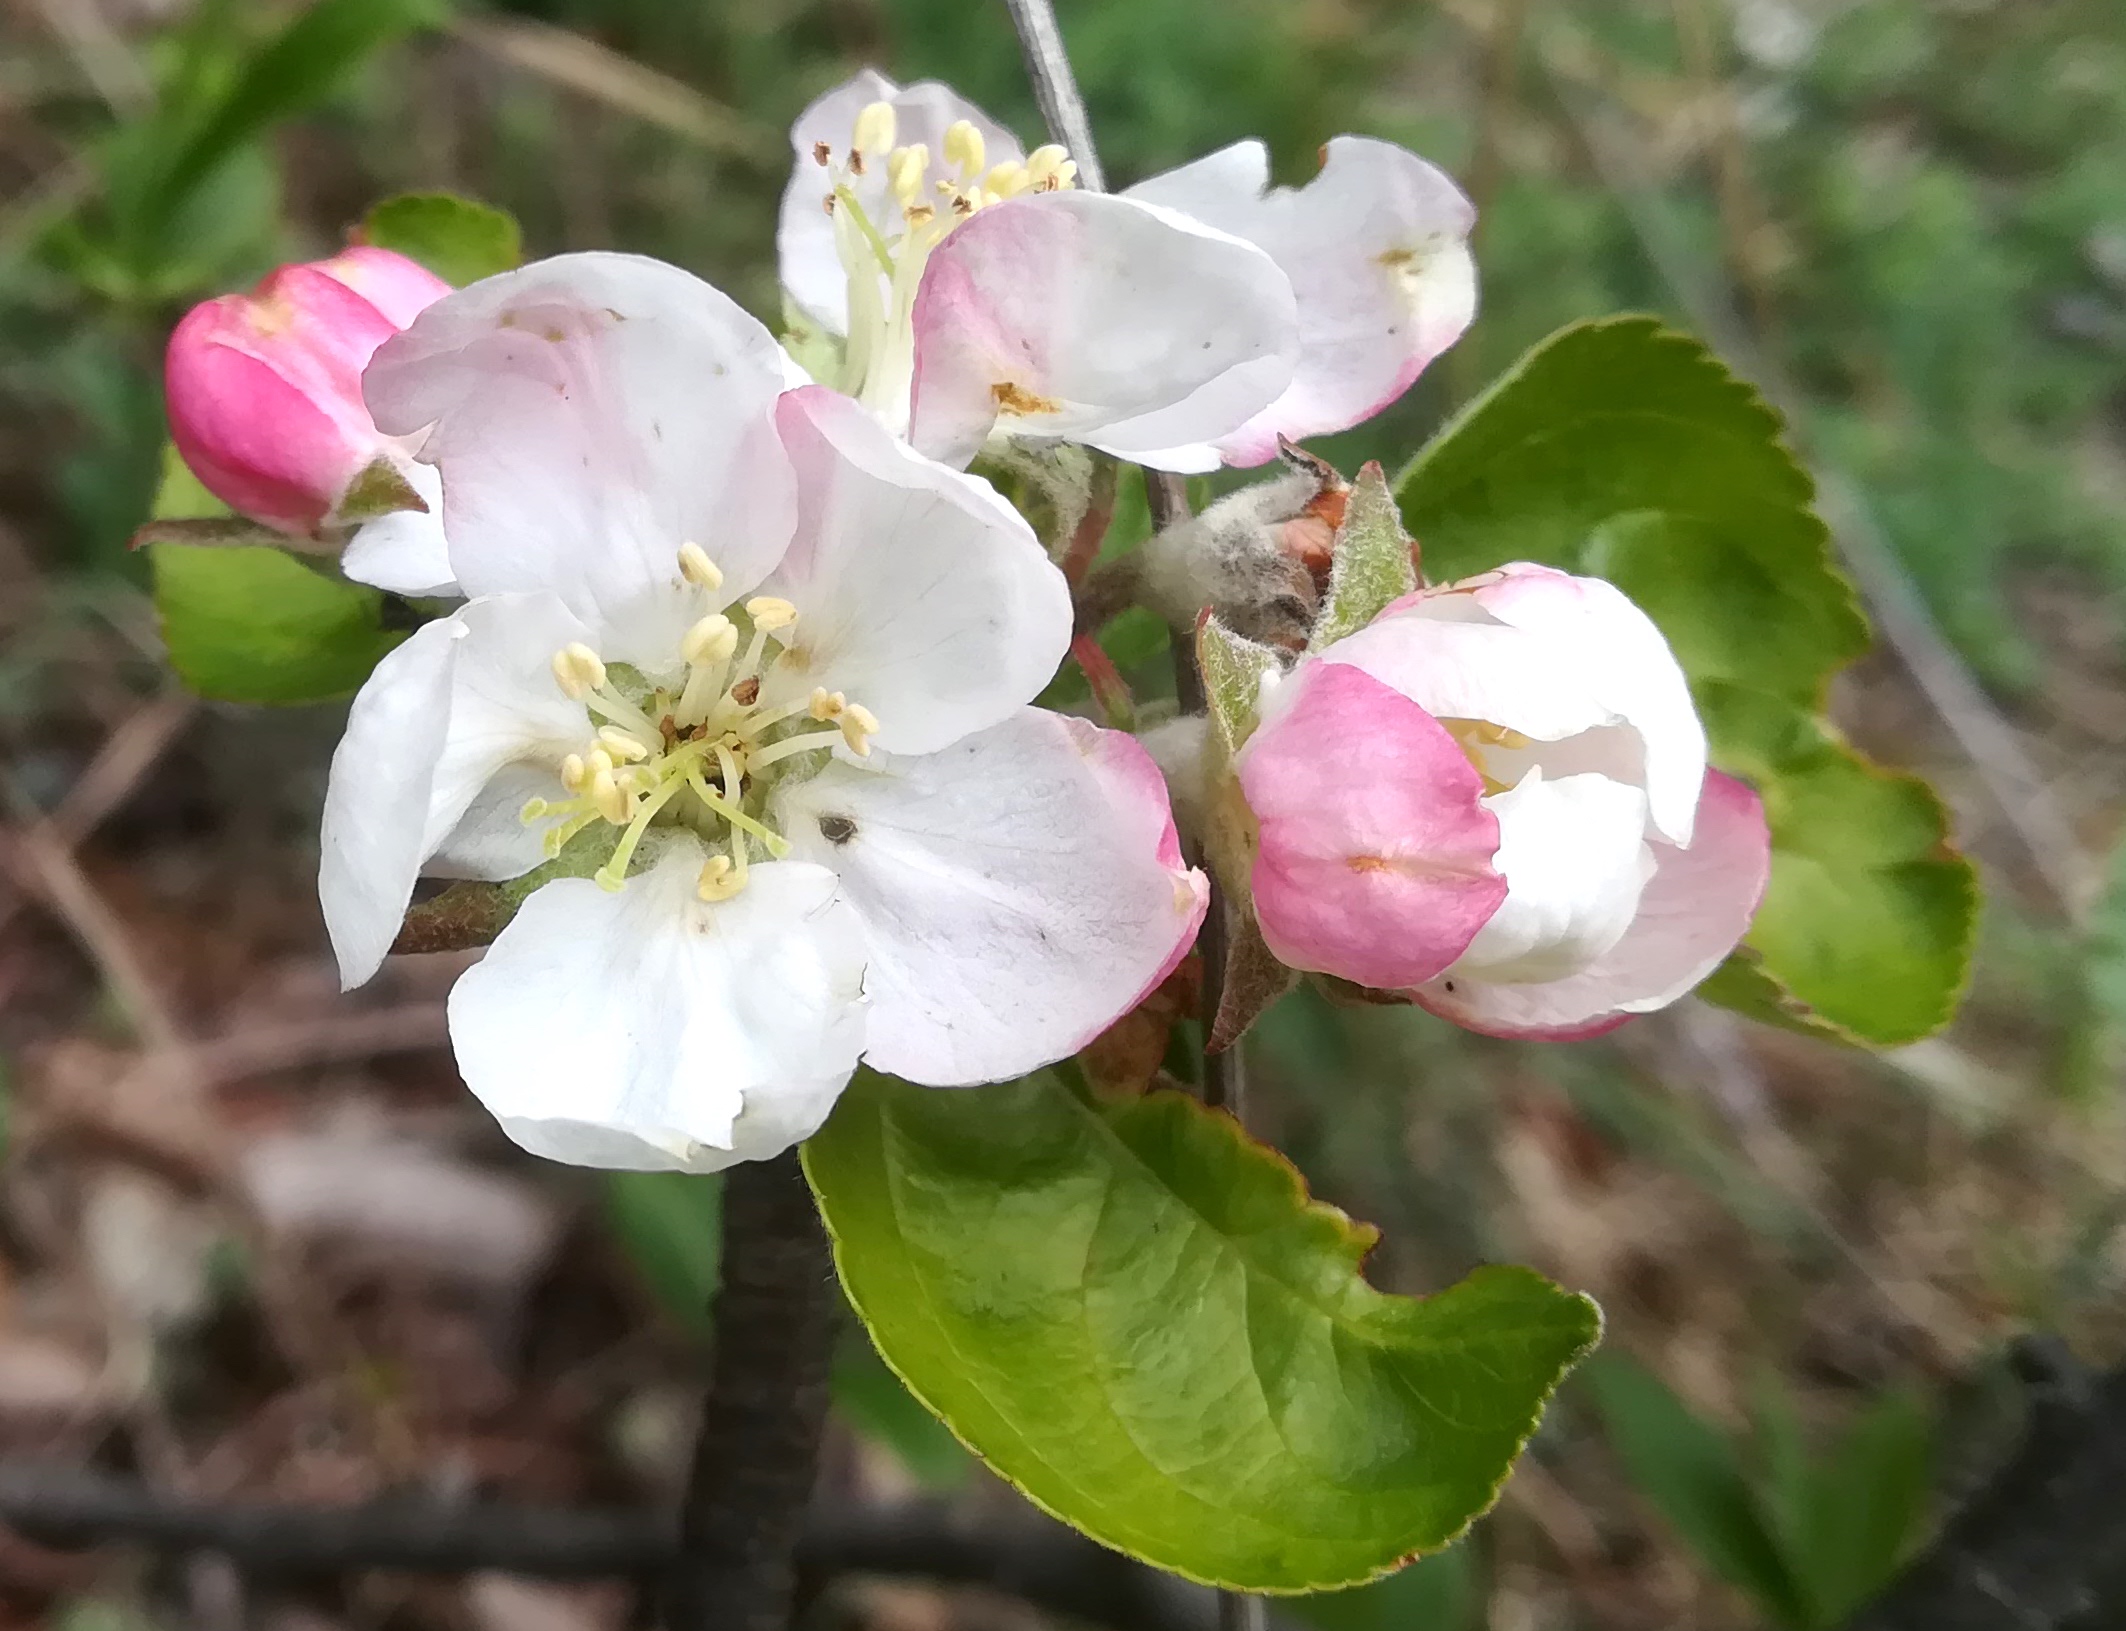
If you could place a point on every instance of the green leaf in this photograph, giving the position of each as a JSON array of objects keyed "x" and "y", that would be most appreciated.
[
  {"x": 1372, "y": 562},
  {"x": 881, "y": 1408},
  {"x": 257, "y": 625},
  {"x": 253, "y": 624},
  {"x": 2097, "y": 1043},
  {"x": 1626, "y": 451},
  {"x": 457, "y": 239},
  {"x": 670, "y": 1224},
  {"x": 1690, "y": 1472},
  {"x": 1868, "y": 923},
  {"x": 1134, "y": 1313}
]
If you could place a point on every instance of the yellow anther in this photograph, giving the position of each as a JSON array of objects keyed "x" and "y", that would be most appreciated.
[
  {"x": 859, "y": 724},
  {"x": 905, "y": 171},
  {"x": 712, "y": 640},
  {"x": 623, "y": 748},
  {"x": 875, "y": 128},
  {"x": 1008, "y": 179},
  {"x": 827, "y": 704},
  {"x": 964, "y": 148},
  {"x": 574, "y": 775},
  {"x": 719, "y": 880},
  {"x": 1050, "y": 168},
  {"x": 696, "y": 567},
  {"x": 771, "y": 612},
  {"x": 597, "y": 763},
  {"x": 608, "y": 799},
  {"x": 578, "y": 670}
]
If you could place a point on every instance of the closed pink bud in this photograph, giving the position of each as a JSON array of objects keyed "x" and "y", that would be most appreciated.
[{"x": 265, "y": 389}]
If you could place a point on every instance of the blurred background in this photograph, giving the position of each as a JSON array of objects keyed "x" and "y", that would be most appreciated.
[{"x": 256, "y": 1242}]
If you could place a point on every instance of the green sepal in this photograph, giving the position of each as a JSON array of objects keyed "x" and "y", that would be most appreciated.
[
  {"x": 458, "y": 239},
  {"x": 1372, "y": 562}
]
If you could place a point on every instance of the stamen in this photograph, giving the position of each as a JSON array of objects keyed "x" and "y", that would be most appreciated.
[
  {"x": 557, "y": 838},
  {"x": 733, "y": 775},
  {"x": 1008, "y": 179},
  {"x": 875, "y": 128},
  {"x": 822, "y": 154},
  {"x": 905, "y": 171},
  {"x": 771, "y": 612},
  {"x": 1050, "y": 169},
  {"x": 614, "y": 873},
  {"x": 859, "y": 725},
  {"x": 578, "y": 670},
  {"x": 607, "y": 798},
  {"x": 964, "y": 148},
  {"x": 696, "y": 567},
  {"x": 710, "y": 641},
  {"x": 575, "y": 776},
  {"x": 625, "y": 749},
  {"x": 718, "y": 881},
  {"x": 826, "y": 704},
  {"x": 790, "y": 746}
]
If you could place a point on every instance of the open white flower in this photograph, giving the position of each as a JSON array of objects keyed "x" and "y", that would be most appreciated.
[
  {"x": 1190, "y": 320},
  {"x": 783, "y": 661}
]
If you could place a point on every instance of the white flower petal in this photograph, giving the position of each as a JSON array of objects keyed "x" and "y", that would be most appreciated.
[
  {"x": 1376, "y": 247},
  {"x": 1575, "y": 858},
  {"x": 592, "y": 413},
  {"x": 647, "y": 1028},
  {"x": 432, "y": 726},
  {"x": 812, "y": 271},
  {"x": 921, "y": 594},
  {"x": 404, "y": 552},
  {"x": 1015, "y": 897},
  {"x": 1095, "y": 319},
  {"x": 1694, "y": 909}
]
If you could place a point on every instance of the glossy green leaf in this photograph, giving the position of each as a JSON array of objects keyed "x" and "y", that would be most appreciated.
[
  {"x": 1690, "y": 1471},
  {"x": 1624, "y": 450},
  {"x": 1134, "y": 1313},
  {"x": 459, "y": 240},
  {"x": 1867, "y": 926},
  {"x": 1371, "y": 564},
  {"x": 252, "y": 624},
  {"x": 670, "y": 1225}
]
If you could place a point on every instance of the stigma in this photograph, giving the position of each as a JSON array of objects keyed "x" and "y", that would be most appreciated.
[{"x": 698, "y": 747}]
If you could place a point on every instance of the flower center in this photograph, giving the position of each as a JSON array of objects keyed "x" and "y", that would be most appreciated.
[
  {"x": 702, "y": 752},
  {"x": 1492, "y": 749},
  {"x": 884, "y": 258}
]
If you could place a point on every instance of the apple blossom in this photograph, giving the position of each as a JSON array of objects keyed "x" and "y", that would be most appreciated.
[
  {"x": 781, "y": 662},
  {"x": 265, "y": 401},
  {"x": 1187, "y": 321},
  {"x": 1494, "y": 799}
]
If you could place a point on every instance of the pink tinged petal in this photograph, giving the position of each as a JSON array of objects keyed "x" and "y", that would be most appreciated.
[
  {"x": 1095, "y": 319},
  {"x": 1376, "y": 858},
  {"x": 436, "y": 722},
  {"x": 1138, "y": 792},
  {"x": 264, "y": 395},
  {"x": 1376, "y": 247},
  {"x": 1693, "y": 911},
  {"x": 812, "y": 270},
  {"x": 1568, "y": 662},
  {"x": 1014, "y": 906},
  {"x": 404, "y": 551},
  {"x": 921, "y": 594},
  {"x": 1575, "y": 858},
  {"x": 591, "y": 414},
  {"x": 399, "y": 288},
  {"x": 647, "y": 1028}
]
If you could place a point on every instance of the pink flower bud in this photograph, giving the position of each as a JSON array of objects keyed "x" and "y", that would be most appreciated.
[
  {"x": 265, "y": 389},
  {"x": 1493, "y": 800}
]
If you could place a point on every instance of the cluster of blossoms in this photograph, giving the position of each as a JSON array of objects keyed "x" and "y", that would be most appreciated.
[{"x": 737, "y": 626}]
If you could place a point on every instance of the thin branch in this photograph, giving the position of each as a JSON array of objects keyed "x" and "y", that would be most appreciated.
[
  {"x": 1037, "y": 1561},
  {"x": 757, "y": 1455}
]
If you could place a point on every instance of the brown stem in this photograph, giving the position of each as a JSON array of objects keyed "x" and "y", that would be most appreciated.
[{"x": 757, "y": 1455}]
